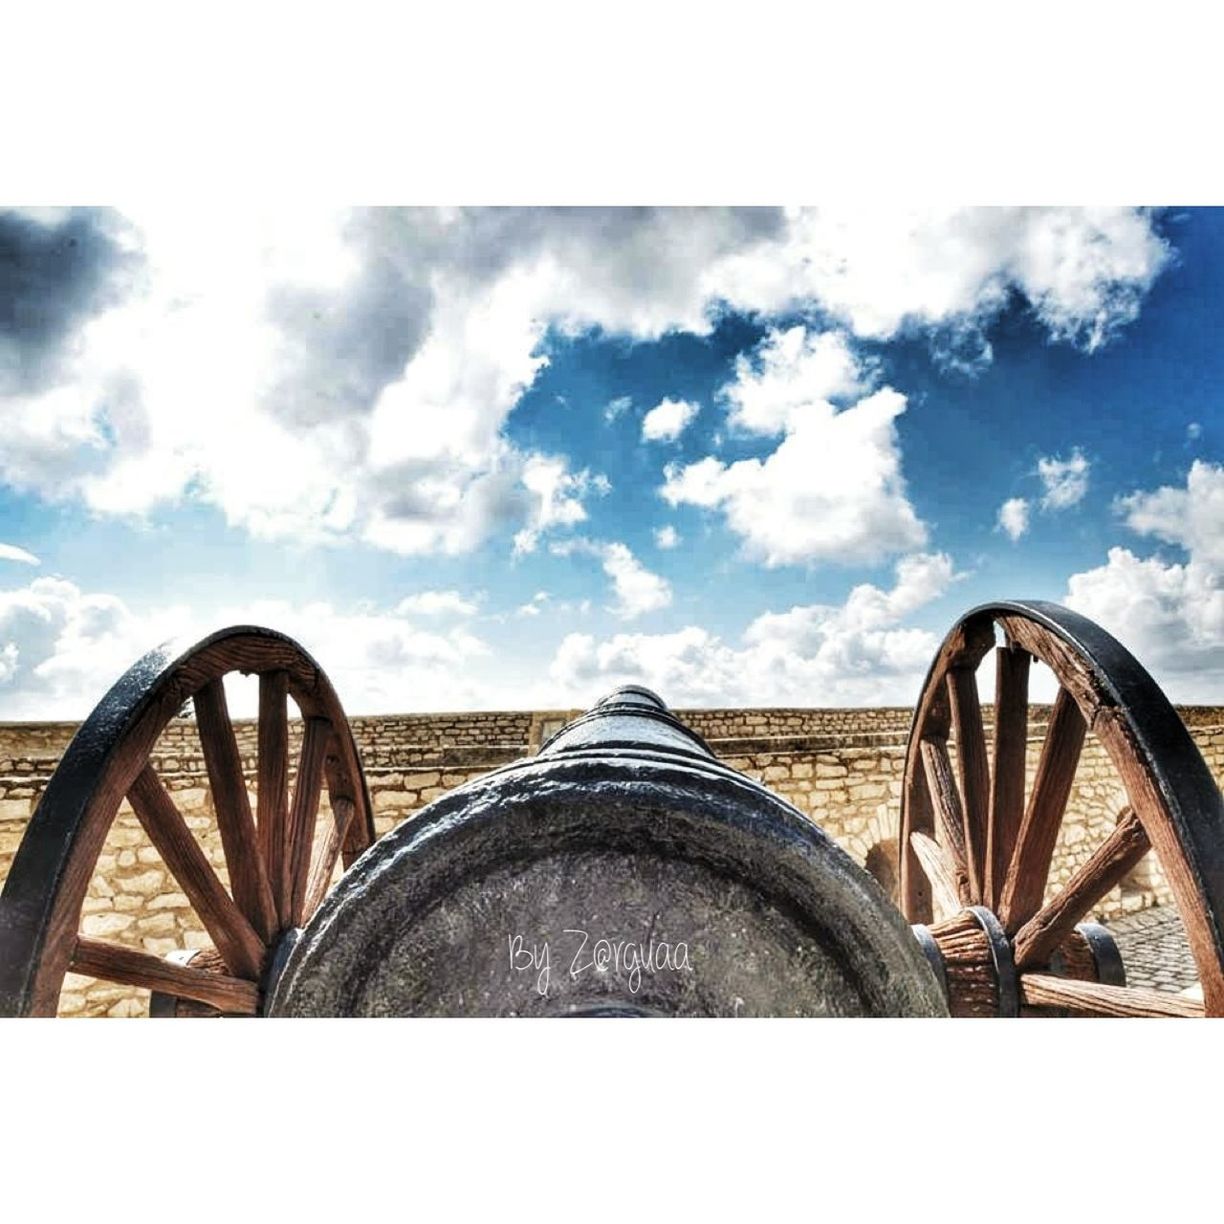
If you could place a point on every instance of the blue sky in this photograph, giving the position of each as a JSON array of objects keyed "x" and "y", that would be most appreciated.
[{"x": 510, "y": 457}]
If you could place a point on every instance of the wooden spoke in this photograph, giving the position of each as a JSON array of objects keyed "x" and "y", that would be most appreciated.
[
  {"x": 974, "y": 771},
  {"x": 248, "y": 876},
  {"x": 1007, "y": 778},
  {"x": 97, "y": 959},
  {"x": 343, "y": 811},
  {"x": 1094, "y": 999},
  {"x": 272, "y": 796},
  {"x": 939, "y": 871},
  {"x": 1117, "y": 855},
  {"x": 240, "y": 947},
  {"x": 915, "y": 892},
  {"x": 946, "y": 803},
  {"x": 309, "y": 785},
  {"x": 1024, "y": 886}
]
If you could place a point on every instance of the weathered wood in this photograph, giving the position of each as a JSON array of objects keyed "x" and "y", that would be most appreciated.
[
  {"x": 1073, "y": 670},
  {"x": 972, "y": 982},
  {"x": 324, "y": 865},
  {"x": 1094, "y": 999},
  {"x": 915, "y": 889},
  {"x": 945, "y": 801},
  {"x": 1007, "y": 778},
  {"x": 51, "y": 872},
  {"x": 1109, "y": 863},
  {"x": 248, "y": 876},
  {"x": 1114, "y": 732},
  {"x": 302, "y": 815},
  {"x": 965, "y": 646},
  {"x": 1024, "y": 885},
  {"x": 974, "y": 774},
  {"x": 272, "y": 795},
  {"x": 98, "y": 959},
  {"x": 940, "y": 872},
  {"x": 239, "y": 946}
]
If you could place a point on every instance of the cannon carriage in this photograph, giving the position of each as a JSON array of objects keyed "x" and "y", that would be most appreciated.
[{"x": 624, "y": 870}]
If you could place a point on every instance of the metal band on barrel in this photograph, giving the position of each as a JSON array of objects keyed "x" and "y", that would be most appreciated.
[
  {"x": 930, "y": 949},
  {"x": 1110, "y": 970},
  {"x": 1004, "y": 962}
]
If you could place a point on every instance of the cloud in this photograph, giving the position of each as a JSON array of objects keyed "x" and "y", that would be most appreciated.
[
  {"x": 788, "y": 372},
  {"x": 638, "y": 591},
  {"x": 832, "y": 490},
  {"x": 10, "y": 552},
  {"x": 559, "y": 493},
  {"x": 1170, "y": 615},
  {"x": 61, "y": 648},
  {"x": 1065, "y": 480},
  {"x": 1192, "y": 517},
  {"x": 618, "y": 407},
  {"x": 533, "y": 606},
  {"x": 59, "y": 268},
  {"x": 853, "y": 653},
  {"x": 379, "y": 353},
  {"x": 885, "y": 270},
  {"x": 436, "y": 603},
  {"x": 667, "y": 420},
  {"x": 666, "y": 537},
  {"x": 1014, "y": 517}
]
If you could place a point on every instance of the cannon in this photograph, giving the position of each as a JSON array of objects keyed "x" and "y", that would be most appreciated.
[{"x": 624, "y": 870}]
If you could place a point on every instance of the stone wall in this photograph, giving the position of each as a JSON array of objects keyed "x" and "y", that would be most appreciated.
[{"x": 842, "y": 768}]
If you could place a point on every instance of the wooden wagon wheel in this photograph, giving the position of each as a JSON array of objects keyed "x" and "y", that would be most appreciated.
[
  {"x": 976, "y": 847},
  {"x": 278, "y": 874}
]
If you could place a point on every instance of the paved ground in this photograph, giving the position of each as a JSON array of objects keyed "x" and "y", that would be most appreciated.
[{"x": 1154, "y": 949}]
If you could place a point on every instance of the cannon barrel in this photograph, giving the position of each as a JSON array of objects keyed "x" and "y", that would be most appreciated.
[{"x": 622, "y": 871}]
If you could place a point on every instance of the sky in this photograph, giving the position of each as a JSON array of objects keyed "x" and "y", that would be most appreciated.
[{"x": 512, "y": 457}]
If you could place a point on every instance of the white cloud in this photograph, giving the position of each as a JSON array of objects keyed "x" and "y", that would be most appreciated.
[
  {"x": 436, "y": 603},
  {"x": 1194, "y": 431},
  {"x": 617, "y": 408},
  {"x": 376, "y": 355},
  {"x": 10, "y": 552},
  {"x": 533, "y": 606},
  {"x": 883, "y": 270},
  {"x": 1014, "y": 517},
  {"x": 832, "y": 490},
  {"x": 638, "y": 591},
  {"x": 1170, "y": 615},
  {"x": 667, "y": 420},
  {"x": 1192, "y": 517},
  {"x": 667, "y": 537},
  {"x": 559, "y": 493},
  {"x": 61, "y": 648},
  {"x": 853, "y": 653},
  {"x": 1065, "y": 480},
  {"x": 790, "y": 371}
]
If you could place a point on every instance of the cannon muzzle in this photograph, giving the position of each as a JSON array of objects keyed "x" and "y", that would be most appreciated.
[{"x": 622, "y": 871}]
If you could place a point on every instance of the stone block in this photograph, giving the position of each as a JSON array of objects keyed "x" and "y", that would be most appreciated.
[
  {"x": 146, "y": 884},
  {"x": 168, "y": 901},
  {"x": 157, "y": 924},
  {"x": 103, "y": 926},
  {"x": 14, "y": 809}
]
